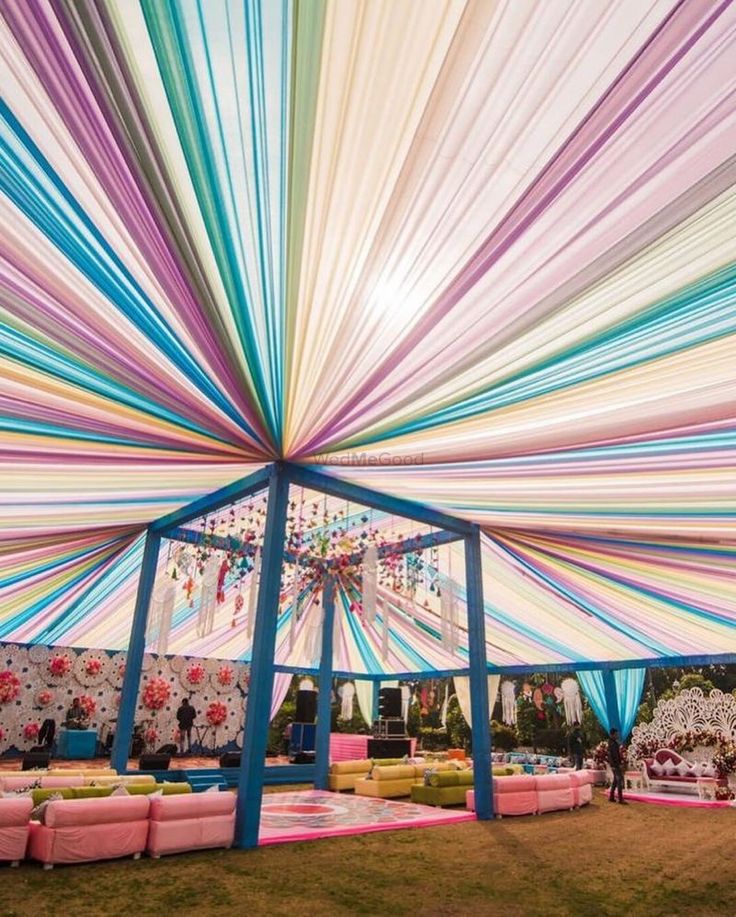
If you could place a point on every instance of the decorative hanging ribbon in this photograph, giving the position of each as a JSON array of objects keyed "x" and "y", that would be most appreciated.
[
  {"x": 508, "y": 703},
  {"x": 208, "y": 598},
  {"x": 253, "y": 592},
  {"x": 370, "y": 583}
]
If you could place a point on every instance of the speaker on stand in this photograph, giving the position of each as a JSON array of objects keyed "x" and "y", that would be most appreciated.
[{"x": 306, "y": 707}]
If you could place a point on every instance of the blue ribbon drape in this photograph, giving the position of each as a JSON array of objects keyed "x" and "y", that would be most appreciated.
[{"x": 629, "y": 686}]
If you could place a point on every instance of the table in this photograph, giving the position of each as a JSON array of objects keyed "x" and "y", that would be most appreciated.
[{"x": 76, "y": 743}]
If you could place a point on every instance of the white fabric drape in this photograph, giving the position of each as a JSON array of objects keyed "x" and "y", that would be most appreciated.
[
  {"x": 364, "y": 693},
  {"x": 347, "y": 693},
  {"x": 462, "y": 690},
  {"x": 572, "y": 701},
  {"x": 508, "y": 703},
  {"x": 281, "y": 682}
]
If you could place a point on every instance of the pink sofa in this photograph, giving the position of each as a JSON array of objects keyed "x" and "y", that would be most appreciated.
[
  {"x": 516, "y": 795},
  {"x": 83, "y": 830},
  {"x": 15, "y": 815},
  {"x": 191, "y": 822},
  {"x": 582, "y": 787},
  {"x": 554, "y": 792},
  {"x": 669, "y": 770}
]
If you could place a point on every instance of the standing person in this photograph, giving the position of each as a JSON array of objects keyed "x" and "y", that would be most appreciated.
[
  {"x": 185, "y": 716},
  {"x": 616, "y": 762},
  {"x": 577, "y": 747},
  {"x": 76, "y": 716}
]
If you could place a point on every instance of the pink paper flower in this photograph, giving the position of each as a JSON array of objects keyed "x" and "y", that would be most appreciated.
[
  {"x": 9, "y": 687},
  {"x": 225, "y": 675},
  {"x": 31, "y": 731},
  {"x": 216, "y": 713},
  {"x": 151, "y": 736},
  {"x": 60, "y": 665},
  {"x": 44, "y": 697},
  {"x": 156, "y": 693},
  {"x": 196, "y": 674},
  {"x": 88, "y": 704},
  {"x": 93, "y": 667}
]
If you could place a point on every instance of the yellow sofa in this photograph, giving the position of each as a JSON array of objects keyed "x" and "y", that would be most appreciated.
[
  {"x": 112, "y": 779},
  {"x": 397, "y": 779},
  {"x": 343, "y": 774}
]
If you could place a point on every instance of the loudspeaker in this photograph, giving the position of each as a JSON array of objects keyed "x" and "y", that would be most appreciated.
[
  {"x": 386, "y": 729},
  {"x": 34, "y": 759},
  {"x": 388, "y": 748},
  {"x": 306, "y": 707},
  {"x": 230, "y": 759},
  {"x": 169, "y": 749},
  {"x": 389, "y": 703},
  {"x": 154, "y": 762}
]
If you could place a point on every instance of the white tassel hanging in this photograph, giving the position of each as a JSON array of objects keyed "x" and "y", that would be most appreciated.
[
  {"x": 208, "y": 599},
  {"x": 508, "y": 703},
  {"x": 253, "y": 593},
  {"x": 167, "y": 612},
  {"x": 294, "y": 610},
  {"x": 370, "y": 583},
  {"x": 384, "y": 632},
  {"x": 571, "y": 701}
]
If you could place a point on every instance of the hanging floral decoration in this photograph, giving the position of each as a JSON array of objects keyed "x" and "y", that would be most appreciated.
[
  {"x": 9, "y": 687},
  {"x": 216, "y": 713},
  {"x": 44, "y": 698},
  {"x": 156, "y": 693},
  {"x": 31, "y": 731},
  {"x": 724, "y": 760},
  {"x": 88, "y": 704}
]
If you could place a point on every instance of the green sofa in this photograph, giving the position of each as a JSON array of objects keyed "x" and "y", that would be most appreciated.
[
  {"x": 446, "y": 788},
  {"x": 92, "y": 792}
]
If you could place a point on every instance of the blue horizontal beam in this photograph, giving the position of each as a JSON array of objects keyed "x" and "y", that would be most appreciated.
[
  {"x": 336, "y": 487},
  {"x": 210, "y": 503}
]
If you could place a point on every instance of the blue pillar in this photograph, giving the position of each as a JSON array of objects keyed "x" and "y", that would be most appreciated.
[
  {"x": 134, "y": 657},
  {"x": 609, "y": 690},
  {"x": 376, "y": 692},
  {"x": 324, "y": 707},
  {"x": 258, "y": 708},
  {"x": 481, "y": 715}
]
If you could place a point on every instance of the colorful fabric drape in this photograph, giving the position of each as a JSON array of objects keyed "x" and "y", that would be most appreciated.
[
  {"x": 629, "y": 684},
  {"x": 478, "y": 254}
]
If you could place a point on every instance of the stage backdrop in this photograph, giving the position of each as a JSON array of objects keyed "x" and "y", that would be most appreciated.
[{"x": 38, "y": 683}]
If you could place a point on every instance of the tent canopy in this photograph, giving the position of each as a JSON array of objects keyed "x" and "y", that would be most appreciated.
[{"x": 478, "y": 255}]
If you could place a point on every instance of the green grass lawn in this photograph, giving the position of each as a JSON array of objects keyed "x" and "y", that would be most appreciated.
[{"x": 604, "y": 859}]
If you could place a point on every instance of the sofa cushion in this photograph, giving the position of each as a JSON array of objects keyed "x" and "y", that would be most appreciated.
[
  {"x": 517, "y": 783},
  {"x": 451, "y": 778},
  {"x": 361, "y": 766},
  {"x": 669, "y": 769},
  {"x": 15, "y": 812},
  {"x": 394, "y": 772},
  {"x": 102, "y": 811},
  {"x": 196, "y": 805},
  {"x": 657, "y": 768},
  {"x": 552, "y": 782},
  {"x": 683, "y": 768}
]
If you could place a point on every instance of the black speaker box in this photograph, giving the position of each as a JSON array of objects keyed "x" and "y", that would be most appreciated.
[
  {"x": 230, "y": 759},
  {"x": 34, "y": 759},
  {"x": 169, "y": 749},
  {"x": 306, "y": 707},
  {"x": 154, "y": 762},
  {"x": 388, "y": 748},
  {"x": 389, "y": 703}
]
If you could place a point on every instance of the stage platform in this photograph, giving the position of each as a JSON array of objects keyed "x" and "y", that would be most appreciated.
[
  {"x": 681, "y": 800},
  {"x": 312, "y": 814}
]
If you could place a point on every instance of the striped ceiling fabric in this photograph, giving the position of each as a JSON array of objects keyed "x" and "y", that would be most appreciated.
[{"x": 476, "y": 253}]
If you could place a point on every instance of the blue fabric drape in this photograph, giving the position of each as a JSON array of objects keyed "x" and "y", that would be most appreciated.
[{"x": 629, "y": 685}]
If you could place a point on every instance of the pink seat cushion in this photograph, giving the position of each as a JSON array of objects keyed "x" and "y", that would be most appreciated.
[
  {"x": 580, "y": 778},
  {"x": 192, "y": 805},
  {"x": 15, "y": 812},
  {"x": 553, "y": 782},
  {"x": 517, "y": 783},
  {"x": 104, "y": 810},
  {"x": 51, "y": 782},
  {"x": 85, "y": 843}
]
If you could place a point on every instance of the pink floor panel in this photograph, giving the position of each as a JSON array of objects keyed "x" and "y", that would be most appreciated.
[
  {"x": 311, "y": 814},
  {"x": 677, "y": 799}
]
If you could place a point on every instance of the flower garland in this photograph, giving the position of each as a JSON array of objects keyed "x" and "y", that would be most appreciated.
[
  {"x": 216, "y": 713},
  {"x": 9, "y": 687},
  {"x": 724, "y": 760},
  {"x": 681, "y": 742},
  {"x": 156, "y": 693}
]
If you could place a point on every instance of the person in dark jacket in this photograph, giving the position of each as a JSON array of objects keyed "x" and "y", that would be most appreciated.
[
  {"x": 185, "y": 716},
  {"x": 616, "y": 762},
  {"x": 577, "y": 747}
]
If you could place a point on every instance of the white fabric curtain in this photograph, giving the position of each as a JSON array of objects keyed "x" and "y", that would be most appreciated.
[
  {"x": 281, "y": 682},
  {"x": 462, "y": 690},
  {"x": 364, "y": 693}
]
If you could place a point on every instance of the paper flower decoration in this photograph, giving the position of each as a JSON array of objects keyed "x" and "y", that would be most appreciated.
[
  {"x": 225, "y": 675},
  {"x": 156, "y": 693},
  {"x": 88, "y": 704},
  {"x": 31, "y": 731},
  {"x": 60, "y": 665},
  {"x": 195, "y": 674},
  {"x": 93, "y": 667},
  {"x": 9, "y": 687},
  {"x": 44, "y": 698},
  {"x": 151, "y": 736},
  {"x": 216, "y": 713}
]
